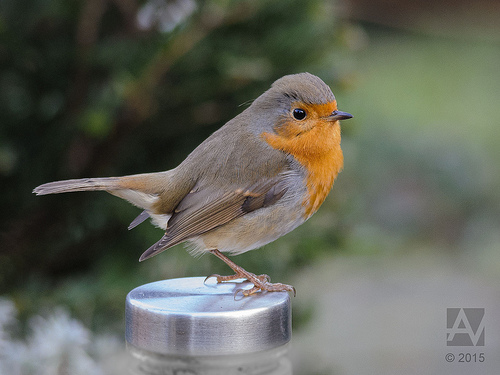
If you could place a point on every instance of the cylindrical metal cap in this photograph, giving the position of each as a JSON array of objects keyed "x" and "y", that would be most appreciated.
[{"x": 187, "y": 317}]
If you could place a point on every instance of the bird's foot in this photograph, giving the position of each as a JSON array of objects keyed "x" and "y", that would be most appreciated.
[{"x": 260, "y": 282}]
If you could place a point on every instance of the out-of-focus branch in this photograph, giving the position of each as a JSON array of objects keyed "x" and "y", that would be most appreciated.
[
  {"x": 138, "y": 102},
  {"x": 139, "y": 93}
]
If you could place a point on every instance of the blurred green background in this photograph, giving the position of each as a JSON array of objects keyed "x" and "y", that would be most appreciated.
[{"x": 105, "y": 88}]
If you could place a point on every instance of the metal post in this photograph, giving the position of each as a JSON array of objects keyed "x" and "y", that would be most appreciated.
[{"x": 183, "y": 326}]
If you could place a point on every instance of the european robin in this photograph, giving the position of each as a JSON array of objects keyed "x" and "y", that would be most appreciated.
[{"x": 255, "y": 179}]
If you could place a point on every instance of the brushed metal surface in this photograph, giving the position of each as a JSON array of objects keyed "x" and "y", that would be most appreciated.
[{"x": 187, "y": 317}]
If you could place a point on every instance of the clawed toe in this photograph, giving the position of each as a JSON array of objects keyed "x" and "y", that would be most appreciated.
[
  {"x": 210, "y": 276},
  {"x": 221, "y": 279},
  {"x": 276, "y": 287},
  {"x": 264, "y": 278},
  {"x": 246, "y": 292},
  {"x": 267, "y": 287}
]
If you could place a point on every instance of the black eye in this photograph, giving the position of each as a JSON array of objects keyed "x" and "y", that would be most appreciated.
[{"x": 299, "y": 114}]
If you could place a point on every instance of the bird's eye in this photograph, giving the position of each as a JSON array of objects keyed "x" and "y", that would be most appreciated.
[{"x": 299, "y": 114}]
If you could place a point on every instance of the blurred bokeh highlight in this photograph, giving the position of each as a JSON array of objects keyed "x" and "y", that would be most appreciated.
[{"x": 114, "y": 87}]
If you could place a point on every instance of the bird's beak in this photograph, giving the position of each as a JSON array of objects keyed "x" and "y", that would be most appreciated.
[{"x": 339, "y": 115}]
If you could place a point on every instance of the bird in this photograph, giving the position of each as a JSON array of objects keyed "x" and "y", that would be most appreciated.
[{"x": 255, "y": 179}]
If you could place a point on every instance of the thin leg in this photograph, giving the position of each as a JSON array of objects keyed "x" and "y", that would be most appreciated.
[{"x": 260, "y": 282}]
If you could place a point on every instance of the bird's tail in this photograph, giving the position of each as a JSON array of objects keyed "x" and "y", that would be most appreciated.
[
  {"x": 142, "y": 190},
  {"x": 83, "y": 184}
]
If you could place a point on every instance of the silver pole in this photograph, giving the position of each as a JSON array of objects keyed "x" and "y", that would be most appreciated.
[{"x": 186, "y": 325}]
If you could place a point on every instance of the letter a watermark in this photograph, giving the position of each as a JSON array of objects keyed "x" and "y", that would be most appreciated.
[{"x": 465, "y": 326}]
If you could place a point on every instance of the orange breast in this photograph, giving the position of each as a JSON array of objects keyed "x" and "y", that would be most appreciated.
[{"x": 317, "y": 149}]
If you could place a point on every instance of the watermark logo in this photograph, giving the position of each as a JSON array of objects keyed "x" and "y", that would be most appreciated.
[{"x": 465, "y": 326}]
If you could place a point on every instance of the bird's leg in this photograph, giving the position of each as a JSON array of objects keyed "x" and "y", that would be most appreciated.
[
  {"x": 239, "y": 272},
  {"x": 260, "y": 282}
]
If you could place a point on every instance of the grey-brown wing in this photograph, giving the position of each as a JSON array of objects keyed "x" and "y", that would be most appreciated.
[{"x": 202, "y": 210}]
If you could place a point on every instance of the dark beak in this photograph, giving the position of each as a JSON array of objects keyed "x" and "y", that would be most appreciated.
[{"x": 339, "y": 115}]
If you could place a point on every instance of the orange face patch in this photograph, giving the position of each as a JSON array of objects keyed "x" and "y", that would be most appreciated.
[{"x": 315, "y": 143}]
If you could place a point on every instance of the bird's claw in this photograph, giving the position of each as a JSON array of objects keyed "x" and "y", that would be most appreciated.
[{"x": 210, "y": 276}]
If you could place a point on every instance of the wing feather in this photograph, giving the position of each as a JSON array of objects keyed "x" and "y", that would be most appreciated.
[{"x": 202, "y": 210}]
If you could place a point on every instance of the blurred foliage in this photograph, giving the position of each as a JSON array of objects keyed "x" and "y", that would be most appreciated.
[
  {"x": 425, "y": 158},
  {"x": 55, "y": 343},
  {"x": 101, "y": 88}
]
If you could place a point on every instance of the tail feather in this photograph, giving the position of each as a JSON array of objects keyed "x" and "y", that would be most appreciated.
[
  {"x": 163, "y": 244},
  {"x": 142, "y": 190},
  {"x": 84, "y": 184},
  {"x": 139, "y": 219}
]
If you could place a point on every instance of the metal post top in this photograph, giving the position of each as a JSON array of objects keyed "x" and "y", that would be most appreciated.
[{"x": 188, "y": 317}]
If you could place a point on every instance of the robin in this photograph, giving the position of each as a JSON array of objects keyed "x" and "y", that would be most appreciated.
[{"x": 255, "y": 179}]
